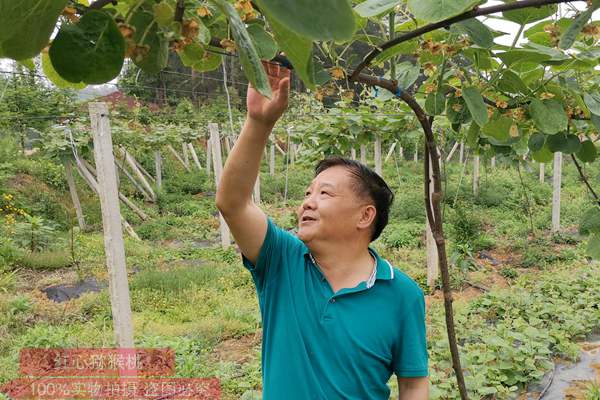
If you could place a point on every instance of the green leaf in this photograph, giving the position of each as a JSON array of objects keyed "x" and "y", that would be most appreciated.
[
  {"x": 567, "y": 144},
  {"x": 91, "y": 51},
  {"x": 193, "y": 55},
  {"x": 249, "y": 59},
  {"x": 593, "y": 248},
  {"x": 528, "y": 15},
  {"x": 568, "y": 38},
  {"x": 457, "y": 110},
  {"x": 163, "y": 13},
  {"x": 517, "y": 56},
  {"x": 297, "y": 49},
  {"x": 590, "y": 221},
  {"x": 479, "y": 33},
  {"x": 536, "y": 141},
  {"x": 53, "y": 76},
  {"x": 437, "y": 10},
  {"x": 498, "y": 129},
  {"x": 407, "y": 74},
  {"x": 543, "y": 155},
  {"x": 512, "y": 83},
  {"x": 435, "y": 103},
  {"x": 476, "y": 105},
  {"x": 592, "y": 100},
  {"x": 26, "y": 26},
  {"x": 263, "y": 42},
  {"x": 147, "y": 34},
  {"x": 312, "y": 19},
  {"x": 588, "y": 151},
  {"x": 549, "y": 116},
  {"x": 371, "y": 8}
]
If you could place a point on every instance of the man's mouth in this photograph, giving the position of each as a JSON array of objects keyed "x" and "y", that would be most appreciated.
[{"x": 307, "y": 218}]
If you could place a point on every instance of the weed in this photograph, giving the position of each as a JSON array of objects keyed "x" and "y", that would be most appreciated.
[{"x": 46, "y": 260}]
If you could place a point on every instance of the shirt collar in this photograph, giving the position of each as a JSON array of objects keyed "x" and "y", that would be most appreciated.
[{"x": 383, "y": 268}]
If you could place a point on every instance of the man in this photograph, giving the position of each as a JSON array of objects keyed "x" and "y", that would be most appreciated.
[{"x": 337, "y": 319}]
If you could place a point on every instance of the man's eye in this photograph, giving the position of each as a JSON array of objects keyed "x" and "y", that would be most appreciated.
[
  {"x": 306, "y": 194},
  {"x": 324, "y": 192}
]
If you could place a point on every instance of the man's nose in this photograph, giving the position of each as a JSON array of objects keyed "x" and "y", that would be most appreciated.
[{"x": 308, "y": 203}]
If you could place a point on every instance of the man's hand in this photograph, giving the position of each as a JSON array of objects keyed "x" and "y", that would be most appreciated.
[{"x": 261, "y": 109}]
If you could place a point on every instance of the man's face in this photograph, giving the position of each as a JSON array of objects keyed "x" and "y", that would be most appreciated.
[{"x": 331, "y": 209}]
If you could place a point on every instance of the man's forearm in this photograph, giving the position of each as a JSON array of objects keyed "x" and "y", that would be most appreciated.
[
  {"x": 413, "y": 389},
  {"x": 242, "y": 165}
]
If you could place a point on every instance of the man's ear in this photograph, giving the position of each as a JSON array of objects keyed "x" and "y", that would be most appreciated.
[{"x": 367, "y": 216}]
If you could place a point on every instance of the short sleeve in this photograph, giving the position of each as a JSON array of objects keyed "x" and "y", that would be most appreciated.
[
  {"x": 410, "y": 358},
  {"x": 272, "y": 255}
]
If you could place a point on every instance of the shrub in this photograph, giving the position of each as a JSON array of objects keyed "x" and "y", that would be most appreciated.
[
  {"x": 190, "y": 183},
  {"x": 509, "y": 272},
  {"x": 408, "y": 205},
  {"x": 407, "y": 234},
  {"x": 34, "y": 234},
  {"x": 464, "y": 226}
]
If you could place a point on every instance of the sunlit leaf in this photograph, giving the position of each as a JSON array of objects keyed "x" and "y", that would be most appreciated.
[
  {"x": 437, "y": 10},
  {"x": 26, "y": 26},
  {"x": 371, "y": 8},
  {"x": 476, "y": 105},
  {"x": 548, "y": 115}
]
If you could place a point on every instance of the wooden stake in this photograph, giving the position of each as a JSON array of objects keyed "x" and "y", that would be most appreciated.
[
  {"x": 556, "y": 182},
  {"x": 272, "y": 159},
  {"x": 353, "y": 153},
  {"x": 208, "y": 156},
  {"x": 363, "y": 154},
  {"x": 542, "y": 172},
  {"x": 452, "y": 151},
  {"x": 416, "y": 155},
  {"x": 377, "y": 155},
  {"x": 87, "y": 172},
  {"x": 461, "y": 154},
  {"x": 493, "y": 162},
  {"x": 133, "y": 181},
  {"x": 218, "y": 167},
  {"x": 75, "y": 196},
  {"x": 390, "y": 151},
  {"x": 178, "y": 157},
  {"x": 476, "y": 176},
  {"x": 158, "y": 168},
  {"x": 194, "y": 156},
  {"x": 141, "y": 168},
  {"x": 431, "y": 247},
  {"x": 138, "y": 172},
  {"x": 186, "y": 157},
  {"x": 114, "y": 246}
]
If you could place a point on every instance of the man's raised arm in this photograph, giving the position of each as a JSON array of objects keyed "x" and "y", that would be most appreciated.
[{"x": 247, "y": 222}]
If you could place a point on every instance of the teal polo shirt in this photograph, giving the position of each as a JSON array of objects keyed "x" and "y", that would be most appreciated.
[{"x": 318, "y": 344}]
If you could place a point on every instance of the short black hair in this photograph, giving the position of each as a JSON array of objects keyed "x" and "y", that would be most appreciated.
[{"x": 368, "y": 184}]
